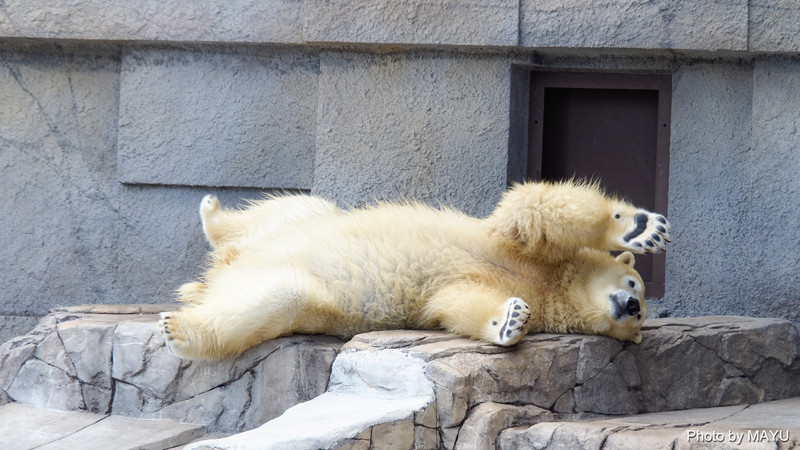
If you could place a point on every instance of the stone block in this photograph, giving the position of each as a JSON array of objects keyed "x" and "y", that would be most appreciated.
[
  {"x": 131, "y": 401},
  {"x": 52, "y": 350},
  {"x": 361, "y": 442},
  {"x": 289, "y": 375},
  {"x": 606, "y": 393},
  {"x": 97, "y": 399},
  {"x": 774, "y": 26},
  {"x": 487, "y": 420},
  {"x": 277, "y": 21},
  {"x": 711, "y": 145},
  {"x": 773, "y": 161},
  {"x": 58, "y": 134},
  {"x": 433, "y": 128},
  {"x": 397, "y": 435},
  {"x": 197, "y": 377},
  {"x": 219, "y": 409},
  {"x": 139, "y": 434},
  {"x": 669, "y": 381},
  {"x": 244, "y": 117},
  {"x": 765, "y": 425},
  {"x": 141, "y": 359},
  {"x": 46, "y": 386},
  {"x": 363, "y": 394},
  {"x": 661, "y": 24},
  {"x": 94, "y": 333},
  {"x": 422, "y": 389},
  {"x": 26, "y": 427},
  {"x": 13, "y": 354},
  {"x": 492, "y": 23}
]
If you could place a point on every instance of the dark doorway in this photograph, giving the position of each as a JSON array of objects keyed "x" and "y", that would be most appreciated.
[{"x": 608, "y": 127}]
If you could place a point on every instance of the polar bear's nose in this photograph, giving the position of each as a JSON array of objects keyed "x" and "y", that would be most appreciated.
[{"x": 632, "y": 306}]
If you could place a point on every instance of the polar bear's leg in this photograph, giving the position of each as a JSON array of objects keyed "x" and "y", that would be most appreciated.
[
  {"x": 637, "y": 230},
  {"x": 479, "y": 312},
  {"x": 191, "y": 292},
  {"x": 242, "y": 309},
  {"x": 224, "y": 226},
  {"x": 210, "y": 211},
  {"x": 550, "y": 220}
]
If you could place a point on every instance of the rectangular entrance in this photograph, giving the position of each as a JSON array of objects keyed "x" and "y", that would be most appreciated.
[{"x": 608, "y": 127}]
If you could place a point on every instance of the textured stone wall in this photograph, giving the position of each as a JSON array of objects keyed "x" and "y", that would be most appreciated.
[
  {"x": 733, "y": 188},
  {"x": 118, "y": 118},
  {"x": 428, "y": 126},
  {"x": 59, "y": 190},
  {"x": 213, "y": 117}
]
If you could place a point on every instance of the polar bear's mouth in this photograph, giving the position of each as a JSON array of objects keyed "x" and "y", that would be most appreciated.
[{"x": 624, "y": 305}]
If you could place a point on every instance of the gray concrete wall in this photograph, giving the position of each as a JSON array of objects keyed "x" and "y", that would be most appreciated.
[
  {"x": 430, "y": 126},
  {"x": 734, "y": 188},
  {"x": 113, "y": 128}
]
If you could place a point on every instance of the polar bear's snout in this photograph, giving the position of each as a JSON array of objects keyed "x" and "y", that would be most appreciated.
[
  {"x": 632, "y": 306},
  {"x": 624, "y": 304}
]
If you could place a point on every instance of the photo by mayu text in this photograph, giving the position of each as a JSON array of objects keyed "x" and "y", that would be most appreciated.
[{"x": 738, "y": 436}]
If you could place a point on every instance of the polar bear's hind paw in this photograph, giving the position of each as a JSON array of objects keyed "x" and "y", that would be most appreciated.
[
  {"x": 512, "y": 327},
  {"x": 174, "y": 337}
]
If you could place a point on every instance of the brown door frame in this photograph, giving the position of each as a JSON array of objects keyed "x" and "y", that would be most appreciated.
[{"x": 543, "y": 79}]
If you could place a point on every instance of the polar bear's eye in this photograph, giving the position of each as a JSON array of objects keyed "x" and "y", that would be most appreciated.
[
  {"x": 631, "y": 283},
  {"x": 617, "y": 216}
]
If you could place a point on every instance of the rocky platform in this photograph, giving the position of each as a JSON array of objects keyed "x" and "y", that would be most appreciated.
[{"x": 408, "y": 388}]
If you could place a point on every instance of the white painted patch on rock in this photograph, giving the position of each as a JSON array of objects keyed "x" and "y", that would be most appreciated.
[{"x": 367, "y": 388}]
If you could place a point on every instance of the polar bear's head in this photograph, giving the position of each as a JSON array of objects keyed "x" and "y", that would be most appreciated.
[{"x": 613, "y": 303}]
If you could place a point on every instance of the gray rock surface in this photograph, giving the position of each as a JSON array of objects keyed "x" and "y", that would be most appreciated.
[
  {"x": 26, "y": 427},
  {"x": 372, "y": 393},
  {"x": 435, "y": 390},
  {"x": 767, "y": 425},
  {"x": 711, "y": 148},
  {"x": 112, "y": 359}
]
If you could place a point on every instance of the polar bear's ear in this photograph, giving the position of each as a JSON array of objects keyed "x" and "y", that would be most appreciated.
[{"x": 626, "y": 258}]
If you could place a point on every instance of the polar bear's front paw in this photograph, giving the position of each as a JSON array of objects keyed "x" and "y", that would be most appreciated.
[
  {"x": 511, "y": 327},
  {"x": 646, "y": 233},
  {"x": 176, "y": 339}
]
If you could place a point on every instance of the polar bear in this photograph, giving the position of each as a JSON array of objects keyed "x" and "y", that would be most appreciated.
[
  {"x": 539, "y": 263},
  {"x": 225, "y": 230}
]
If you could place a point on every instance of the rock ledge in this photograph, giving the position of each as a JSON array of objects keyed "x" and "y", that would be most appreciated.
[{"x": 457, "y": 393}]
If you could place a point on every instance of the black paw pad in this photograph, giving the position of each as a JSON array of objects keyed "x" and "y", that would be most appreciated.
[{"x": 641, "y": 225}]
